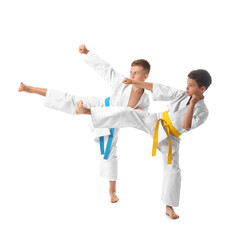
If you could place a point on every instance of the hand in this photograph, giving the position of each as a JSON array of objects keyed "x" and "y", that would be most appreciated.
[
  {"x": 82, "y": 49},
  {"x": 194, "y": 99},
  {"x": 127, "y": 81}
]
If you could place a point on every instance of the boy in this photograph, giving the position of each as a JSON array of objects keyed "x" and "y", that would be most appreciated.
[
  {"x": 186, "y": 111},
  {"x": 122, "y": 95}
]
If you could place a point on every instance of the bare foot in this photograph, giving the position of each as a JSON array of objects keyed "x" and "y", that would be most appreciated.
[
  {"x": 23, "y": 88},
  {"x": 113, "y": 197},
  {"x": 81, "y": 109},
  {"x": 171, "y": 213}
]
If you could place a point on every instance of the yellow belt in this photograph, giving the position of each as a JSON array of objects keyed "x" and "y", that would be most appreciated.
[{"x": 170, "y": 129}]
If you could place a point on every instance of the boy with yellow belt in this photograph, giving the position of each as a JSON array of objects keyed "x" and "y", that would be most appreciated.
[{"x": 186, "y": 111}]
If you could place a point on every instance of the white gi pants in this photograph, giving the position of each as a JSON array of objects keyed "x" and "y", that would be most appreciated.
[
  {"x": 119, "y": 117},
  {"x": 68, "y": 103}
]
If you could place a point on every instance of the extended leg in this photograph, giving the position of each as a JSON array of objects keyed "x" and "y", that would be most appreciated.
[
  {"x": 66, "y": 102},
  {"x": 116, "y": 117}
]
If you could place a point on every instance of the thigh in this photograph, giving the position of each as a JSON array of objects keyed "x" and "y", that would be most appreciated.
[{"x": 163, "y": 147}]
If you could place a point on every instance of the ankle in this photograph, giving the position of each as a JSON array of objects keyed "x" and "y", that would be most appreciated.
[{"x": 27, "y": 89}]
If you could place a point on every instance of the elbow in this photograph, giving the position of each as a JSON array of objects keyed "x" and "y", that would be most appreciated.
[{"x": 186, "y": 126}]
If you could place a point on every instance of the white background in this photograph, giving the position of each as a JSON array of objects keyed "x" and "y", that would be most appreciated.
[{"x": 49, "y": 182}]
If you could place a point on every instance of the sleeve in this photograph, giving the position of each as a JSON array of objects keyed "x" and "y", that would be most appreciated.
[
  {"x": 104, "y": 69},
  {"x": 165, "y": 93},
  {"x": 198, "y": 118}
]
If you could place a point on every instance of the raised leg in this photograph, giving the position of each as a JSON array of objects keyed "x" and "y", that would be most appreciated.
[{"x": 120, "y": 117}]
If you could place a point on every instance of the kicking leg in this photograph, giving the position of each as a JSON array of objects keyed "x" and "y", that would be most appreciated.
[
  {"x": 29, "y": 89},
  {"x": 116, "y": 117}
]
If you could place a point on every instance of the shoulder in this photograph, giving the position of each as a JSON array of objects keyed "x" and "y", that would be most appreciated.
[
  {"x": 201, "y": 110},
  {"x": 201, "y": 106}
]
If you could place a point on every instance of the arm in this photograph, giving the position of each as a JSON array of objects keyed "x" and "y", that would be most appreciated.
[
  {"x": 187, "y": 121},
  {"x": 140, "y": 84},
  {"x": 104, "y": 69},
  {"x": 160, "y": 92}
]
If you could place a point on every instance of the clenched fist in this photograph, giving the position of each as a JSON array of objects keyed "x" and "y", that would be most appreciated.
[
  {"x": 194, "y": 99},
  {"x": 82, "y": 49},
  {"x": 127, "y": 81}
]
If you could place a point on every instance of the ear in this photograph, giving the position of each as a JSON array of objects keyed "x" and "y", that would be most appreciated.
[
  {"x": 203, "y": 89},
  {"x": 146, "y": 76}
]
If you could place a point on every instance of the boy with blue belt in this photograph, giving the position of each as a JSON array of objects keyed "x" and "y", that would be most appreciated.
[
  {"x": 186, "y": 111},
  {"x": 122, "y": 95}
]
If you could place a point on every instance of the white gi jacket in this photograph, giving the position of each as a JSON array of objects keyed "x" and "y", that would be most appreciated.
[
  {"x": 120, "y": 97},
  {"x": 120, "y": 92},
  {"x": 178, "y": 107}
]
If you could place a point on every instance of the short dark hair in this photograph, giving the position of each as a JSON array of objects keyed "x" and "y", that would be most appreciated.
[
  {"x": 143, "y": 63},
  {"x": 202, "y": 77}
]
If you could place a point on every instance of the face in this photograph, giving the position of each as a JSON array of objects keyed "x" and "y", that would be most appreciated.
[
  {"x": 193, "y": 89},
  {"x": 137, "y": 73}
]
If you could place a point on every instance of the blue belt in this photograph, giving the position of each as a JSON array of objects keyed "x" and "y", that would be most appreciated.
[{"x": 110, "y": 139}]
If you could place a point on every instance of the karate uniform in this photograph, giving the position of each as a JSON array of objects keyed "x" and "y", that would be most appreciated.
[
  {"x": 119, "y": 97},
  {"x": 119, "y": 117}
]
